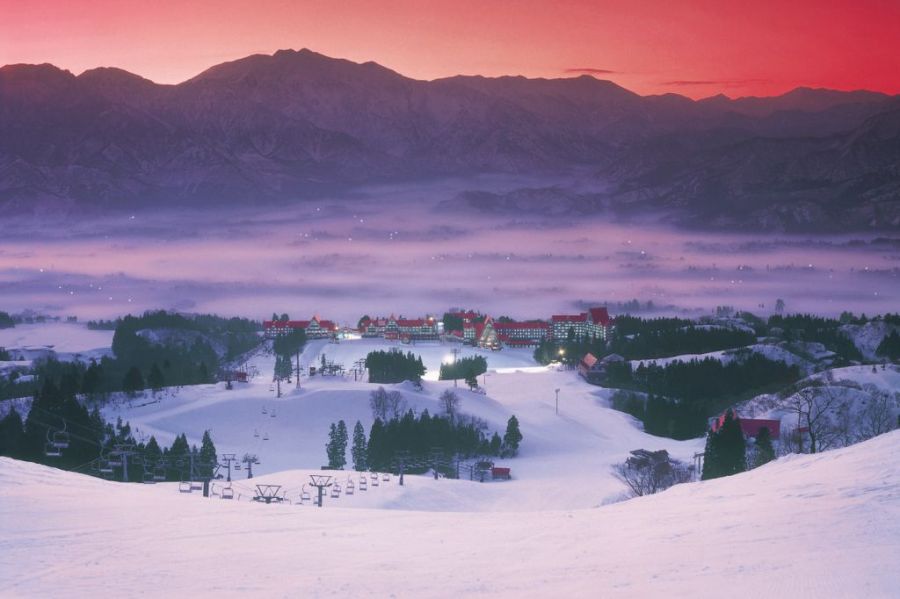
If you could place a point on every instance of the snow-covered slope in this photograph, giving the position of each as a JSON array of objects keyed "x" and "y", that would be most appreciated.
[
  {"x": 564, "y": 461},
  {"x": 65, "y": 340},
  {"x": 825, "y": 525},
  {"x": 868, "y": 336}
]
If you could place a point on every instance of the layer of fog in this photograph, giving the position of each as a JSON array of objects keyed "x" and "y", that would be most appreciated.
[{"x": 413, "y": 249}]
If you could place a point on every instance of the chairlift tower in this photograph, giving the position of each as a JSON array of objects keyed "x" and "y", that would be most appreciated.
[
  {"x": 250, "y": 459},
  {"x": 122, "y": 452},
  {"x": 401, "y": 458},
  {"x": 228, "y": 458},
  {"x": 320, "y": 482}
]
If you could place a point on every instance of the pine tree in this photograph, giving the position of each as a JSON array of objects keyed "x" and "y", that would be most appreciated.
[
  {"x": 336, "y": 447},
  {"x": 342, "y": 438},
  {"x": 12, "y": 432},
  {"x": 133, "y": 381},
  {"x": 152, "y": 452},
  {"x": 711, "y": 467},
  {"x": 155, "y": 378},
  {"x": 203, "y": 373},
  {"x": 513, "y": 436},
  {"x": 765, "y": 453},
  {"x": 359, "y": 450},
  {"x": 208, "y": 455},
  {"x": 726, "y": 451},
  {"x": 496, "y": 444},
  {"x": 733, "y": 448},
  {"x": 376, "y": 454}
]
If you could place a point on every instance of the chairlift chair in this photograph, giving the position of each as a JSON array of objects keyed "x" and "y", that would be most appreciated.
[
  {"x": 304, "y": 495},
  {"x": 149, "y": 478},
  {"x": 185, "y": 487},
  {"x": 159, "y": 473},
  {"x": 256, "y": 433},
  {"x": 350, "y": 488},
  {"x": 374, "y": 479},
  {"x": 272, "y": 415},
  {"x": 196, "y": 485},
  {"x": 363, "y": 485},
  {"x": 386, "y": 477},
  {"x": 335, "y": 492},
  {"x": 227, "y": 493},
  {"x": 266, "y": 437},
  {"x": 237, "y": 466},
  {"x": 51, "y": 451},
  {"x": 264, "y": 410},
  {"x": 60, "y": 439}
]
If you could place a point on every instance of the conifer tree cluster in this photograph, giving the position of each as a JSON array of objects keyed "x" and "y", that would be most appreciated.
[
  {"x": 90, "y": 439},
  {"x": 467, "y": 368},
  {"x": 394, "y": 366},
  {"x": 426, "y": 441},
  {"x": 725, "y": 452},
  {"x": 336, "y": 448}
]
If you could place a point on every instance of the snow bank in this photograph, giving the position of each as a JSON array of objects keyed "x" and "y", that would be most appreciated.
[{"x": 826, "y": 525}]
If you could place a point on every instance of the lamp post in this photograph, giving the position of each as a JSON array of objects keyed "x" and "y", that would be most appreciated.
[{"x": 557, "y": 402}]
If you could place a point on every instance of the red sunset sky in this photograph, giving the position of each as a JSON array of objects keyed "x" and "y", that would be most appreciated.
[{"x": 697, "y": 47}]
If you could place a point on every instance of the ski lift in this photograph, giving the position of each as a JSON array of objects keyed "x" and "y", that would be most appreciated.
[
  {"x": 227, "y": 493},
  {"x": 350, "y": 488},
  {"x": 60, "y": 439},
  {"x": 304, "y": 495},
  {"x": 386, "y": 477},
  {"x": 335, "y": 492},
  {"x": 266, "y": 437},
  {"x": 375, "y": 480},
  {"x": 105, "y": 467},
  {"x": 159, "y": 472},
  {"x": 237, "y": 466},
  {"x": 271, "y": 388},
  {"x": 196, "y": 485},
  {"x": 264, "y": 410},
  {"x": 363, "y": 485},
  {"x": 185, "y": 487},
  {"x": 51, "y": 451},
  {"x": 149, "y": 478},
  {"x": 256, "y": 433},
  {"x": 272, "y": 414},
  {"x": 115, "y": 461}
]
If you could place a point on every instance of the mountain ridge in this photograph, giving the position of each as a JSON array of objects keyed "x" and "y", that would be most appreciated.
[{"x": 281, "y": 126}]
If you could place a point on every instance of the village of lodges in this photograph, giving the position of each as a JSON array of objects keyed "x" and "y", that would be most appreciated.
[{"x": 464, "y": 326}]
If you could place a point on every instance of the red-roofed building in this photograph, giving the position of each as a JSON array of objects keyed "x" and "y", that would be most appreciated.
[
  {"x": 595, "y": 323},
  {"x": 751, "y": 426},
  {"x": 314, "y": 328},
  {"x": 594, "y": 370},
  {"x": 494, "y": 334},
  {"x": 404, "y": 329}
]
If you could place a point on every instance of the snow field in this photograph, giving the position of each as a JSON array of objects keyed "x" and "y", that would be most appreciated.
[
  {"x": 564, "y": 462},
  {"x": 825, "y": 525}
]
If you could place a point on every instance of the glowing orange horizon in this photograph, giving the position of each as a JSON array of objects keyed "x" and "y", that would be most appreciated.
[{"x": 697, "y": 48}]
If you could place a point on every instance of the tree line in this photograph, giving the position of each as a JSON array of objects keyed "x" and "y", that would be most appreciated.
[
  {"x": 707, "y": 381},
  {"x": 90, "y": 439},
  {"x": 418, "y": 443}
]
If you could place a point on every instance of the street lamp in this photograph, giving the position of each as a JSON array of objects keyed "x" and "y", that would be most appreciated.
[{"x": 557, "y": 402}]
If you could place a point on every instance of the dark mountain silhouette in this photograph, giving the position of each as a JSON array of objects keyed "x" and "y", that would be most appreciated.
[{"x": 285, "y": 126}]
